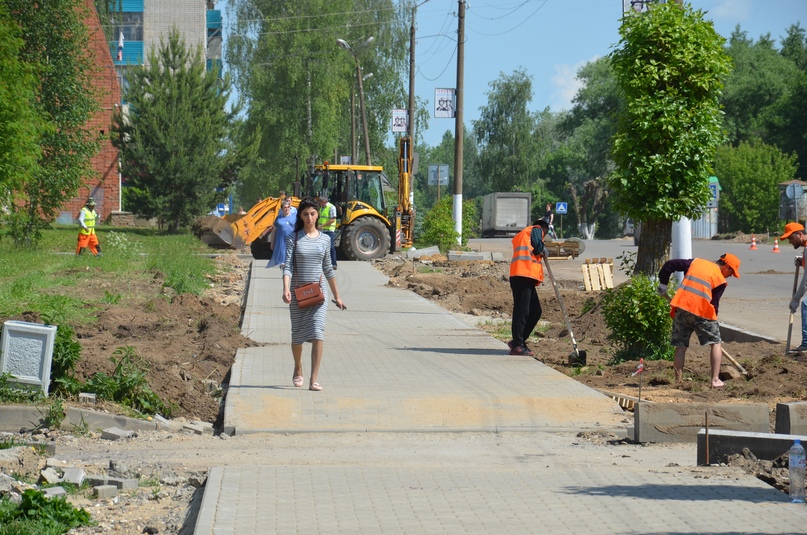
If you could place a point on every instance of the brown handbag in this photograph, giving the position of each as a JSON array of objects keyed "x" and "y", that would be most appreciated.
[{"x": 309, "y": 294}]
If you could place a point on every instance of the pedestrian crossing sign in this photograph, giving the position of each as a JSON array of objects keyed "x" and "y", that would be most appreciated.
[{"x": 560, "y": 208}]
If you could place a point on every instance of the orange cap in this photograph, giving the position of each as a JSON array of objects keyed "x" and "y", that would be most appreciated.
[
  {"x": 732, "y": 262},
  {"x": 790, "y": 228}
]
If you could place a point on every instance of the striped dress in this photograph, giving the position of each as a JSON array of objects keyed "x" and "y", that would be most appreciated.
[{"x": 313, "y": 259}]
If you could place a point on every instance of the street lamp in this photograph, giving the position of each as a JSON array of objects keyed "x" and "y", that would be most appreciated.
[{"x": 346, "y": 46}]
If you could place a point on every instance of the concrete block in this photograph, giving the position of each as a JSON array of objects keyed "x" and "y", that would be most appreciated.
[
  {"x": 680, "y": 422},
  {"x": 87, "y": 398},
  {"x": 207, "y": 426},
  {"x": 16, "y": 417},
  {"x": 722, "y": 443},
  {"x": 732, "y": 333},
  {"x": 455, "y": 256},
  {"x": 113, "y": 433},
  {"x": 791, "y": 418},
  {"x": 163, "y": 423},
  {"x": 122, "y": 483},
  {"x": 50, "y": 492},
  {"x": 427, "y": 251},
  {"x": 73, "y": 475},
  {"x": 198, "y": 429},
  {"x": 99, "y": 420},
  {"x": 55, "y": 463},
  {"x": 105, "y": 491},
  {"x": 26, "y": 353},
  {"x": 50, "y": 476}
]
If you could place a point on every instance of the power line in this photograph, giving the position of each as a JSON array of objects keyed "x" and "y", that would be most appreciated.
[
  {"x": 514, "y": 27},
  {"x": 513, "y": 10}
]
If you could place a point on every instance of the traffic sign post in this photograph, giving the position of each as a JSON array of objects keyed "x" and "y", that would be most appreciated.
[
  {"x": 438, "y": 174},
  {"x": 560, "y": 209}
]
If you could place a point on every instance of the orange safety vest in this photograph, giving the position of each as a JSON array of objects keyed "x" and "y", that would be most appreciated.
[
  {"x": 524, "y": 263},
  {"x": 695, "y": 293}
]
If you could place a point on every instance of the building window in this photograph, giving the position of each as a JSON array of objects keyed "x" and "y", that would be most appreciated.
[{"x": 132, "y": 27}]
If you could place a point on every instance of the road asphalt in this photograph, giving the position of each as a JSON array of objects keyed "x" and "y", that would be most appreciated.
[{"x": 427, "y": 425}]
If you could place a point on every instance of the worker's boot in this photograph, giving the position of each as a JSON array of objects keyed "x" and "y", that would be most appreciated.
[{"x": 80, "y": 251}]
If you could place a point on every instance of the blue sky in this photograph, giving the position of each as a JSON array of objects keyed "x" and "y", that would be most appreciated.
[{"x": 550, "y": 40}]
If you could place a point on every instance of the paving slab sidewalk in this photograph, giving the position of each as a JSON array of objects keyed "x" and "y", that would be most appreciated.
[{"x": 395, "y": 363}]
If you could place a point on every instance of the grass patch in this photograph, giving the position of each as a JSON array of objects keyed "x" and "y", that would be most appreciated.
[{"x": 38, "y": 515}]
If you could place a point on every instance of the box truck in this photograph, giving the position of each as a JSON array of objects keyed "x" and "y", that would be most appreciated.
[{"x": 505, "y": 213}]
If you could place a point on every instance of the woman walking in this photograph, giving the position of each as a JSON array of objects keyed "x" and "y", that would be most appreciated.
[
  {"x": 308, "y": 259},
  {"x": 283, "y": 227}
]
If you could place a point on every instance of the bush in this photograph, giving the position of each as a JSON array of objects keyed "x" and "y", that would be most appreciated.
[
  {"x": 438, "y": 225},
  {"x": 639, "y": 320},
  {"x": 40, "y": 515}
]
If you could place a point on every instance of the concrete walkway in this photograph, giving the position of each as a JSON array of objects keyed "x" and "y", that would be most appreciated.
[{"x": 426, "y": 425}]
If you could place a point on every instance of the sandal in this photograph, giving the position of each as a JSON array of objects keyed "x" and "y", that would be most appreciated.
[
  {"x": 316, "y": 387},
  {"x": 297, "y": 381}
]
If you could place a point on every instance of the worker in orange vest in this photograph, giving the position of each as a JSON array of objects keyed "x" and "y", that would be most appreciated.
[
  {"x": 796, "y": 236},
  {"x": 526, "y": 272},
  {"x": 695, "y": 304}
]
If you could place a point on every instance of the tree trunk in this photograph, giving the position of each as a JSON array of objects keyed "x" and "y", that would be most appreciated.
[
  {"x": 654, "y": 246},
  {"x": 587, "y": 230}
]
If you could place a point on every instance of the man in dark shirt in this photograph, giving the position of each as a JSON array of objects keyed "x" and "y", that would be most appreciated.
[{"x": 695, "y": 306}]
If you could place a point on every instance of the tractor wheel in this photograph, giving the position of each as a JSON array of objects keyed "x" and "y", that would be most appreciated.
[
  {"x": 260, "y": 250},
  {"x": 366, "y": 238}
]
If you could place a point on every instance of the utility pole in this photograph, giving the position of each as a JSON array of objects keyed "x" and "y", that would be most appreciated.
[
  {"x": 411, "y": 113},
  {"x": 458, "y": 127}
]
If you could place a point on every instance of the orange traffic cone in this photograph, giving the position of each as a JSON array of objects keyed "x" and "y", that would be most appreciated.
[
  {"x": 753, "y": 242},
  {"x": 776, "y": 246}
]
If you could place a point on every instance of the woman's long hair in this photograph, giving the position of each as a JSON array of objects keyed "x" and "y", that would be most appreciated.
[{"x": 306, "y": 203}]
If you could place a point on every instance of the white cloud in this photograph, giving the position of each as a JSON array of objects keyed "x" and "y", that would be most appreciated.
[
  {"x": 731, "y": 11},
  {"x": 565, "y": 85}
]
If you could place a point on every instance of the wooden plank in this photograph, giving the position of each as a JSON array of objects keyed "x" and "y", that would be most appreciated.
[
  {"x": 595, "y": 279},
  {"x": 586, "y": 277},
  {"x": 608, "y": 275}
]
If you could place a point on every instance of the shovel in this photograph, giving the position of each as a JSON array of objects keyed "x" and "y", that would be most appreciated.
[
  {"x": 579, "y": 356},
  {"x": 795, "y": 286}
]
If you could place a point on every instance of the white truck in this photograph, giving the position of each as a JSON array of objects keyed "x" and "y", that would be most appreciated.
[{"x": 505, "y": 213}]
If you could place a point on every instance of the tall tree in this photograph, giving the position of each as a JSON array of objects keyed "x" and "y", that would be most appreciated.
[
  {"x": 175, "y": 142},
  {"x": 297, "y": 80},
  {"x": 20, "y": 127},
  {"x": 759, "y": 83},
  {"x": 750, "y": 175},
  {"x": 55, "y": 47},
  {"x": 669, "y": 64},
  {"x": 584, "y": 160},
  {"x": 504, "y": 132}
]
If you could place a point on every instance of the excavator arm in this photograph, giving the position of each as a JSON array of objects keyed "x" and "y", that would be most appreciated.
[
  {"x": 253, "y": 224},
  {"x": 405, "y": 211}
]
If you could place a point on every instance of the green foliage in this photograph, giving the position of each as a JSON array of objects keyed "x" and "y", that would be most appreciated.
[
  {"x": 438, "y": 225},
  {"x": 66, "y": 350},
  {"x": 127, "y": 384},
  {"x": 669, "y": 64},
  {"x": 174, "y": 141},
  {"x": 504, "y": 132},
  {"x": 639, "y": 320},
  {"x": 297, "y": 82},
  {"x": 20, "y": 126},
  {"x": 11, "y": 392},
  {"x": 55, "y": 48},
  {"x": 750, "y": 174},
  {"x": 54, "y": 414},
  {"x": 39, "y": 515},
  {"x": 184, "y": 272}
]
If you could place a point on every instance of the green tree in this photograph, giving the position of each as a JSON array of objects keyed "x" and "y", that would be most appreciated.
[
  {"x": 175, "y": 141},
  {"x": 789, "y": 122},
  {"x": 505, "y": 131},
  {"x": 55, "y": 49},
  {"x": 759, "y": 83},
  {"x": 669, "y": 64},
  {"x": 297, "y": 81},
  {"x": 750, "y": 175},
  {"x": 20, "y": 126}
]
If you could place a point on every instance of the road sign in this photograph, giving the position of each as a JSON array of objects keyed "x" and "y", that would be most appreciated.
[
  {"x": 714, "y": 188},
  {"x": 560, "y": 208},
  {"x": 438, "y": 172}
]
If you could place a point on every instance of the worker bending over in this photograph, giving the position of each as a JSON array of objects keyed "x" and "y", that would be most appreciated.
[{"x": 695, "y": 304}]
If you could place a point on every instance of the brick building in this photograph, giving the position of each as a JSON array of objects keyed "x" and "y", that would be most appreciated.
[{"x": 104, "y": 184}]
